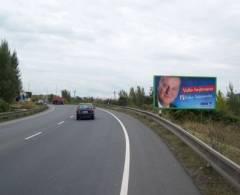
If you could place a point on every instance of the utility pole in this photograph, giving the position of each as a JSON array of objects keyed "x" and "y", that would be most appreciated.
[
  {"x": 56, "y": 90},
  {"x": 28, "y": 86},
  {"x": 114, "y": 92}
]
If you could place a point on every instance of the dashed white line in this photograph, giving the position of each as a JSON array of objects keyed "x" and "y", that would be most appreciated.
[
  {"x": 125, "y": 179},
  {"x": 71, "y": 116},
  {"x": 36, "y": 134},
  {"x": 60, "y": 122}
]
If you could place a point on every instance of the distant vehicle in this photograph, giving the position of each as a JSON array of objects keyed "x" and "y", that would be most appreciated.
[
  {"x": 85, "y": 110},
  {"x": 57, "y": 100},
  {"x": 40, "y": 102}
]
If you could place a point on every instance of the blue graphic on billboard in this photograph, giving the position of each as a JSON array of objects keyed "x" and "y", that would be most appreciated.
[{"x": 185, "y": 92}]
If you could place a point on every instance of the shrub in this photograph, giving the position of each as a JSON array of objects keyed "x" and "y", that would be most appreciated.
[
  {"x": 27, "y": 105},
  {"x": 4, "y": 106}
]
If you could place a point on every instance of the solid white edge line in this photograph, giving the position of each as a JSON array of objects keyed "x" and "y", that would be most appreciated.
[
  {"x": 36, "y": 134},
  {"x": 60, "y": 122},
  {"x": 125, "y": 179}
]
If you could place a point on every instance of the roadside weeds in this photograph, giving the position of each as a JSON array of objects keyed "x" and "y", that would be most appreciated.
[{"x": 15, "y": 115}]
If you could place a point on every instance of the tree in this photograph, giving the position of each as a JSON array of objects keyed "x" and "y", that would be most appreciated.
[
  {"x": 132, "y": 96},
  {"x": 123, "y": 98},
  {"x": 221, "y": 103},
  {"x": 66, "y": 95},
  {"x": 140, "y": 96},
  {"x": 233, "y": 100},
  {"x": 137, "y": 96},
  {"x": 16, "y": 72},
  {"x": 149, "y": 98},
  {"x": 10, "y": 82},
  {"x": 50, "y": 97}
]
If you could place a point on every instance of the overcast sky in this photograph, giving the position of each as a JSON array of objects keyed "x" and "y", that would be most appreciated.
[{"x": 98, "y": 46}]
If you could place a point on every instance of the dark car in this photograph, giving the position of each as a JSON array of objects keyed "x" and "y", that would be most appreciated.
[{"x": 85, "y": 110}]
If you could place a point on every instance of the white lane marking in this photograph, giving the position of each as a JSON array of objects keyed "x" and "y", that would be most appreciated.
[
  {"x": 71, "y": 116},
  {"x": 36, "y": 134},
  {"x": 60, "y": 122},
  {"x": 125, "y": 179}
]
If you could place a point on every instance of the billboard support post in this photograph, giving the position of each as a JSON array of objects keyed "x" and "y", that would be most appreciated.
[{"x": 160, "y": 112}]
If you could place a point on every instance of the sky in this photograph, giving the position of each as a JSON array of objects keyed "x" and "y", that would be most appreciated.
[{"x": 96, "y": 47}]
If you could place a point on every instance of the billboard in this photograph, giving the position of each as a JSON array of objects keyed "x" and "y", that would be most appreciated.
[{"x": 182, "y": 92}]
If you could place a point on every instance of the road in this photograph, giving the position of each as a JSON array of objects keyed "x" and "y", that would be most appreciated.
[{"x": 115, "y": 154}]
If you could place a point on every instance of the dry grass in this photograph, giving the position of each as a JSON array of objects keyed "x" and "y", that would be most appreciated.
[
  {"x": 224, "y": 138},
  {"x": 24, "y": 105}
]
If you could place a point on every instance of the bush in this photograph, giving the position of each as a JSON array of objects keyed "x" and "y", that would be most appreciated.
[
  {"x": 27, "y": 105},
  {"x": 202, "y": 116},
  {"x": 4, "y": 106}
]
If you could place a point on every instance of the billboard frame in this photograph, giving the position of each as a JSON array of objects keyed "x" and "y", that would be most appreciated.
[{"x": 175, "y": 108}]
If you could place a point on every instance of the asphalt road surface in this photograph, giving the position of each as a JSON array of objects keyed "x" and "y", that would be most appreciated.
[{"x": 53, "y": 153}]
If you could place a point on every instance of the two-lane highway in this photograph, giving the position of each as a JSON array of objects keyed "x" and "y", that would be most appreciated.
[{"x": 53, "y": 153}]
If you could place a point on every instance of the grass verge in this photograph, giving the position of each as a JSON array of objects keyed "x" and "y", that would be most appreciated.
[
  {"x": 16, "y": 115},
  {"x": 222, "y": 137},
  {"x": 204, "y": 176}
]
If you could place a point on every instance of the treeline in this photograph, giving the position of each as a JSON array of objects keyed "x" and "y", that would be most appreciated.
[
  {"x": 66, "y": 95},
  {"x": 230, "y": 103},
  {"x": 135, "y": 97},
  {"x": 10, "y": 80},
  {"x": 227, "y": 107}
]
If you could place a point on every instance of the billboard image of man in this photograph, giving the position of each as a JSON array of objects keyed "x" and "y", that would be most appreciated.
[{"x": 168, "y": 88}]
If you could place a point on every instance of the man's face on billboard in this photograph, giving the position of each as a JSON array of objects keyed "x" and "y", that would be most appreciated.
[{"x": 168, "y": 90}]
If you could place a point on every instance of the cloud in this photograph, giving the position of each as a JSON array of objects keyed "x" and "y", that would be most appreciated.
[{"x": 100, "y": 46}]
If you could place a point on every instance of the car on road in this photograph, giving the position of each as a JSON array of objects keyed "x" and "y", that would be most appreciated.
[{"x": 85, "y": 110}]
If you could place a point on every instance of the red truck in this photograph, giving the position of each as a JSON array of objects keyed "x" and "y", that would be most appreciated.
[{"x": 57, "y": 100}]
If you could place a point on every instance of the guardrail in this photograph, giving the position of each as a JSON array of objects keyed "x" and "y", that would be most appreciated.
[
  {"x": 20, "y": 113},
  {"x": 226, "y": 167}
]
